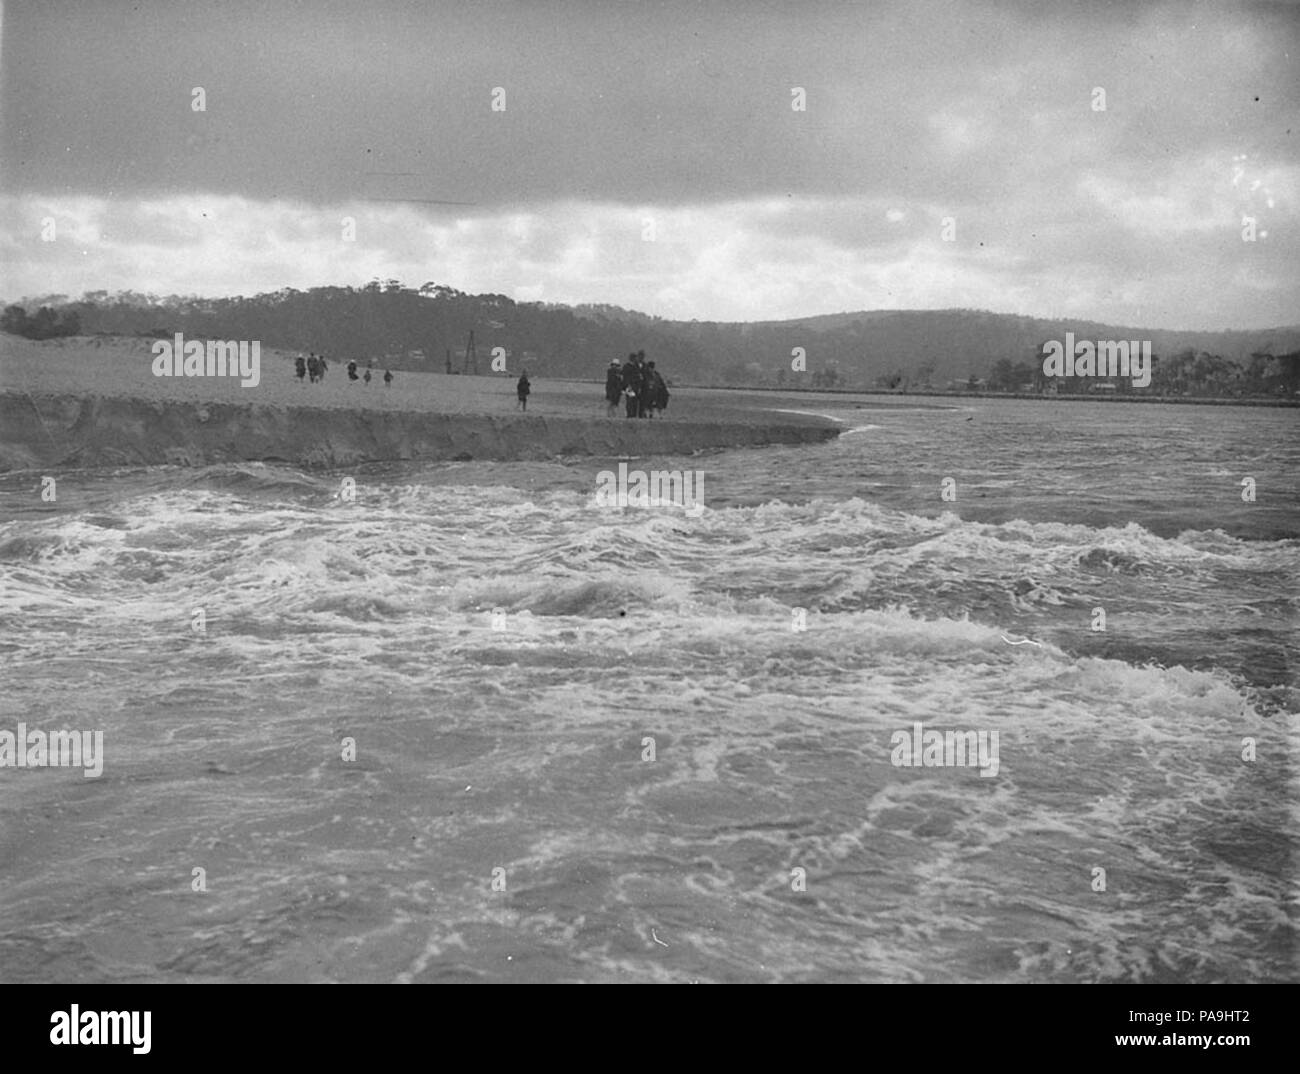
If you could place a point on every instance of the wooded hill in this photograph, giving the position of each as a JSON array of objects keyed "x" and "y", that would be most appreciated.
[{"x": 407, "y": 328}]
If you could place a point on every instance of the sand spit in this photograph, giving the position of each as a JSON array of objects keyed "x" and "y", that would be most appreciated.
[
  {"x": 85, "y": 403},
  {"x": 67, "y": 431}
]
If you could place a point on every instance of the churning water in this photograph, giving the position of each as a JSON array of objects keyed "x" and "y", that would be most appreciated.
[{"x": 506, "y": 656}]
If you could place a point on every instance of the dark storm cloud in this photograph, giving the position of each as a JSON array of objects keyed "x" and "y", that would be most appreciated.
[
  {"x": 625, "y": 102},
  {"x": 980, "y": 113}
]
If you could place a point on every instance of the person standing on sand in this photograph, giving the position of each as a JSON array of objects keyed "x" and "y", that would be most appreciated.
[
  {"x": 631, "y": 384},
  {"x": 522, "y": 389},
  {"x": 300, "y": 365},
  {"x": 388, "y": 378},
  {"x": 313, "y": 368},
  {"x": 321, "y": 367},
  {"x": 643, "y": 393},
  {"x": 656, "y": 392},
  {"x": 613, "y": 387},
  {"x": 352, "y": 370},
  {"x": 661, "y": 396},
  {"x": 366, "y": 378}
]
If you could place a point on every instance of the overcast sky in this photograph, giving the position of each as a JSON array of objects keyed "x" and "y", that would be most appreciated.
[{"x": 649, "y": 154}]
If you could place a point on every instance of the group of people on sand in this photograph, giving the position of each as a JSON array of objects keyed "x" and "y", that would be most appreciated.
[
  {"x": 314, "y": 366},
  {"x": 635, "y": 381},
  {"x": 638, "y": 384},
  {"x": 311, "y": 366}
]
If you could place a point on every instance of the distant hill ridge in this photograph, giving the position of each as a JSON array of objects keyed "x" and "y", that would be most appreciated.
[{"x": 389, "y": 321}]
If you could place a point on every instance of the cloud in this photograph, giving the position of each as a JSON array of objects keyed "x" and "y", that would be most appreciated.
[
  {"x": 678, "y": 114},
  {"x": 734, "y": 261}
]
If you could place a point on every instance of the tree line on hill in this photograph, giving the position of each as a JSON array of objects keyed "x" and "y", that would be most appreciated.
[
  {"x": 45, "y": 323},
  {"x": 402, "y": 327},
  {"x": 1187, "y": 372},
  {"x": 974, "y": 350},
  {"x": 897, "y": 350}
]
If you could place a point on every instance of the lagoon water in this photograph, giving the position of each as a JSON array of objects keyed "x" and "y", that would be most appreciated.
[{"x": 514, "y": 745}]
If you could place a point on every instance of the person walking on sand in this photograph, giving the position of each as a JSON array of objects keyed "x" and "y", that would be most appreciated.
[
  {"x": 313, "y": 368},
  {"x": 352, "y": 369},
  {"x": 366, "y": 378},
  {"x": 300, "y": 366},
  {"x": 613, "y": 387},
  {"x": 388, "y": 378},
  {"x": 522, "y": 389},
  {"x": 321, "y": 366}
]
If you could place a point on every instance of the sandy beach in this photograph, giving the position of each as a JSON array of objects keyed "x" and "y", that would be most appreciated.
[{"x": 95, "y": 401}]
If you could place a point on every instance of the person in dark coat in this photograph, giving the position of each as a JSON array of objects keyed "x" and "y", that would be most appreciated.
[
  {"x": 313, "y": 368},
  {"x": 300, "y": 366},
  {"x": 656, "y": 390},
  {"x": 522, "y": 389},
  {"x": 631, "y": 384},
  {"x": 613, "y": 387},
  {"x": 662, "y": 403},
  {"x": 643, "y": 396},
  {"x": 366, "y": 378},
  {"x": 352, "y": 369},
  {"x": 388, "y": 377}
]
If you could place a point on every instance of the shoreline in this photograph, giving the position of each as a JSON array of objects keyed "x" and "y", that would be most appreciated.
[
  {"x": 84, "y": 402},
  {"x": 1072, "y": 397},
  {"x": 59, "y": 432}
]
